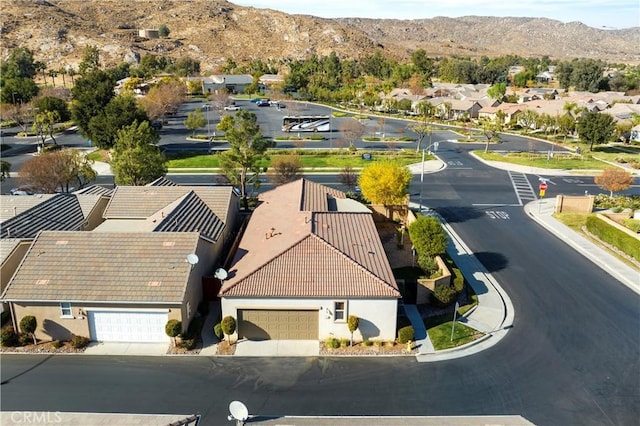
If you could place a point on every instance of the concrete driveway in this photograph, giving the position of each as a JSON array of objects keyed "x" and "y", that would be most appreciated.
[{"x": 277, "y": 348}]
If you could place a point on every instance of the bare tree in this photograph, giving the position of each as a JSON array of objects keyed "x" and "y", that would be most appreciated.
[
  {"x": 21, "y": 113},
  {"x": 163, "y": 99},
  {"x": 351, "y": 130},
  {"x": 348, "y": 177},
  {"x": 284, "y": 169},
  {"x": 58, "y": 170}
]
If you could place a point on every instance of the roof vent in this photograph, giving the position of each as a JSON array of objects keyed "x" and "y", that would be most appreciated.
[
  {"x": 153, "y": 284},
  {"x": 168, "y": 244}
]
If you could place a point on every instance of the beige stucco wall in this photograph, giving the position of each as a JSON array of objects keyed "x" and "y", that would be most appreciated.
[
  {"x": 51, "y": 326},
  {"x": 94, "y": 218},
  {"x": 574, "y": 204},
  {"x": 427, "y": 286},
  {"x": 12, "y": 262}
]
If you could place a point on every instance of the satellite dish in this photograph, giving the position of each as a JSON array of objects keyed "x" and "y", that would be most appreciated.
[
  {"x": 221, "y": 274},
  {"x": 239, "y": 411},
  {"x": 192, "y": 258}
]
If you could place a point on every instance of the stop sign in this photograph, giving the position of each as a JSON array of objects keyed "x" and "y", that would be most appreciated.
[{"x": 543, "y": 186}]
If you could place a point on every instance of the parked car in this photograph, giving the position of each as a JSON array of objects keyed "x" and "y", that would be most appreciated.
[
  {"x": 24, "y": 190},
  {"x": 263, "y": 103},
  {"x": 232, "y": 108}
]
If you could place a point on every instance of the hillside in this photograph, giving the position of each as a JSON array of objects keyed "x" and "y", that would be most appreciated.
[{"x": 213, "y": 30}]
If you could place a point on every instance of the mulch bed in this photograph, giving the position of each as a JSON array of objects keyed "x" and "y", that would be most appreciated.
[
  {"x": 225, "y": 349},
  {"x": 359, "y": 349},
  {"x": 43, "y": 348}
]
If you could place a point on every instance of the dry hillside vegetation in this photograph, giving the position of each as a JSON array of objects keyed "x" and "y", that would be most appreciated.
[{"x": 213, "y": 30}]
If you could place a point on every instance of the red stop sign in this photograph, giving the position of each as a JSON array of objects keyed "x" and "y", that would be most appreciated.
[{"x": 543, "y": 186}]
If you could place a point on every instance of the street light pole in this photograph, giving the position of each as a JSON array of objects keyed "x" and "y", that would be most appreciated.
[{"x": 421, "y": 180}]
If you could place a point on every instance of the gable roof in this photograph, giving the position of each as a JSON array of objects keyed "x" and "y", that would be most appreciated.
[
  {"x": 298, "y": 243},
  {"x": 63, "y": 212},
  {"x": 13, "y": 205},
  {"x": 141, "y": 202},
  {"x": 104, "y": 267},
  {"x": 192, "y": 215}
]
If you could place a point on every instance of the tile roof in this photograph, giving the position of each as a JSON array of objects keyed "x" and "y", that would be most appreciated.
[
  {"x": 64, "y": 212},
  {"x": 162, "y": 181},
  {"x": 94, "y": 190},
  {"x": 192, "y": 215},
  {"x": 7, "y": 245},
  {"x": 13, "y": 205},
  {"x": 104, "y": 267},
  {"x": 130, "y": 202},
  {"x": 297, "y": 243}
]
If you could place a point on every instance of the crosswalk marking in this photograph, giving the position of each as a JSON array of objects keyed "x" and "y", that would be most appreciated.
[{"x": 522, "y": 187}]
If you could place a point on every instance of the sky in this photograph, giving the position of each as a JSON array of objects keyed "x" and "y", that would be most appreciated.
[{"x": 601, "y": 14}]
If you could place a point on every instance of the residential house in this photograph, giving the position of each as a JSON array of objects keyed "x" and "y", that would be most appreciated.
[
  {"x": 143, "y": 265},
  {"x": 232, "y": 83},
  {"x": 309, "y": 258},
  {"x": 510, "y": 111},
  {"x": 455, "y": 109}
]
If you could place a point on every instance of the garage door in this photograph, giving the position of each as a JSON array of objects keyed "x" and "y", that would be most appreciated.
[
  {"x": 259, "y": 324},
  {"x": 124, "y": 326}
]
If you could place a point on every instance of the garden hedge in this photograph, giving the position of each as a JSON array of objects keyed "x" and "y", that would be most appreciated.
[{"x": 611, "y": 235}]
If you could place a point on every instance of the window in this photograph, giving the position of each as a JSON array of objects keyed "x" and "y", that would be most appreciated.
[
  {"x": 339, "y": 311},
  {"x": 65, "y": 309}
]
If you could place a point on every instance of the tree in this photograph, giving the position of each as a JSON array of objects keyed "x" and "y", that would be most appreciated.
[
  {"x": 90, "y": 60},
  {"x": 491, "y": 131},
  {"x": 91, "y": 94},
  {"x": 429, "y": 239},
  {"x": 497, "y": 91},
  {"x": 136, "y": 160},
  {"x": 348, "y": 177},
  {"x": 22, "y": 114},
  {"x": 173, "y": 328},
  {"x": 53, "y": 103},
  {"x": 5, "y": 170},
  {"x": 28, "y": 325},
  {"x": 284, "y": 169},
  {"x": 163, "y": 31},
  {"x": 164, "y": 98},
  {"x": 353, "y": 322},
  {"x": 351, "y": 130},
  {"x": 595, "y": 128},
  {"x": 247, "y": 148},
  {"x": 228, "y": 326},
  {"x": 57, "y": 171},
  {"x": 422, "y": 130},
  {"x": 566, "y": 124},
  {"x": 528, "y": 119},
  {"x": 44, "y": 125},
  {"x": 614, "y": 180},
  {"x": 18, "y": 90},
  {"x": 121, "y": 111},
  {"x": 386, "y": 183},
  {"x": 195, "y": 120}
]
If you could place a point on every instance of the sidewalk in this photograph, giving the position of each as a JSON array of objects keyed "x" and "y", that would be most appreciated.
[{"x": 542, "y": 210}]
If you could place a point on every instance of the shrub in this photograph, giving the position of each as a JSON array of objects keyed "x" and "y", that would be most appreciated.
[
  {"x": 428, "y": 236},
  {"x": 8, "y": 336},
  {"x": 28, "y": 326},
  {"x": 228, "y": 326},
  {"x": 344, "y": 343},
  {"x": 353, "y": 322},
  {"x": 173, "y": 328},
  {"x": 378, "y": 343},
  {"x": 57, "y": 344},
  {"x": 24, "y": 339},
  {"x": 405, "y": 334},
  {"x": 368, "y": 342},
  {"x": 444, "y": 295},
  {"x": 428, "y": 264},
  {"x": 217, "y": 330},
  {"x": 332, "y": 342},
  {"x": 79, "y": 342},
  {"x": 188, "y": 344},
  {"x": 617, "y": 209},
  {"x": 633, "y": 224},
  {"x": 614, "y": 236}
]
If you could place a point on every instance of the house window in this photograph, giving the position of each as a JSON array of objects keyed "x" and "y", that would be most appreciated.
[
  {"x": 65, "y": 310},
  {"x": 339, "y": 311}
]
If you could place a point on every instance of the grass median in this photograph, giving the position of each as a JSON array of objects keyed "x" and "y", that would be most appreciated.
[{"x": 543, "y": 161}]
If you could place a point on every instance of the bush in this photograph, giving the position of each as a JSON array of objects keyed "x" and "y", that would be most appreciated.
[
  {"x": 187, "y": 344},
  {"x": 332, "y": 342},
  {"x": 24, "y": 339},
  {"x": 8, "y": 336},
  {"x": 378, "y": 343},
  {"x": 617, "y": 209},
  {"x": 444, "y": 295},
  {"x": 614, "y": 236},
  {"x": 632, "y": 224},
  {"x": 56, "y": 344},
  {"x": 28, "y": 326},
  {"x": 405, "y": 334},
  {"x": 228, "y": 325},
  {"x": 79, "y": 342},
  {"x": 217, "y": 330},
  {"x": 368, "y": 342},
  {"x": 428, "y": 264},
  {"x": 173, "y": 328},
  {"x": 344, "y": 343}
]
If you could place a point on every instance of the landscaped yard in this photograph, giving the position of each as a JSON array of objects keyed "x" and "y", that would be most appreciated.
[
  {"x": 440, "y": 335},
  {"x": 558, "y": 161}
]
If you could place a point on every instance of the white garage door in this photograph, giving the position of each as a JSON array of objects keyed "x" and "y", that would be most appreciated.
[{"x": 124, "y": 326}]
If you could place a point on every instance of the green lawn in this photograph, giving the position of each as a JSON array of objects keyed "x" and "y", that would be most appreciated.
[
  {"x": 440, "y": 335},
  {"x": 574, "y": 221},
  {"x": 336, "y": 161},
  {"x": 564, "y": 162}
]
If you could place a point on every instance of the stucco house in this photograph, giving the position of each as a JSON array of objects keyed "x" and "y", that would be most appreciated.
[
  {"x": 122, "y": 281},
  {"x": 308, "y": 259}
]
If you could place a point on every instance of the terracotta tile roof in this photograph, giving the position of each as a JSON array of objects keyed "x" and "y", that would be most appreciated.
[
  {"x": 130, "y": 202},
  {"x": 104, "y": 267},
  {"x": 289, "y": 251},
  {"x": 63, "y": 212}
]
